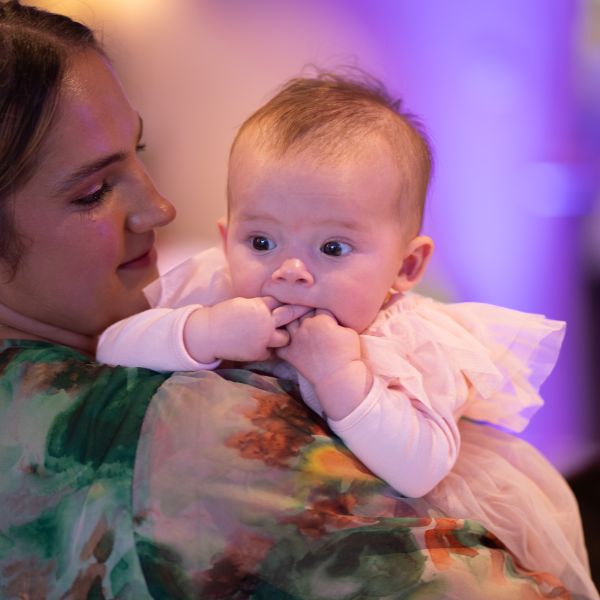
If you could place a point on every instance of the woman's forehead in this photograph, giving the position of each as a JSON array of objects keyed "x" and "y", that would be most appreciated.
[
  {"x": 92, "y": 97},
  {"x": 93, "y": 118}
]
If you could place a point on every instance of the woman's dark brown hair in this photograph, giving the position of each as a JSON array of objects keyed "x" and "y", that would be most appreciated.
[{"x": 35, "y": 47}]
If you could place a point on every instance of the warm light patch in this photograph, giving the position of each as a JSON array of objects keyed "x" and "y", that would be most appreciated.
[{"x": 329, "y": 461}]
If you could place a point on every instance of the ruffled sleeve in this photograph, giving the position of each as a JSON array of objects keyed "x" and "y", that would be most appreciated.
[
  {"x": 201, "y": 279},
  {"x": 485, "y": 362}
]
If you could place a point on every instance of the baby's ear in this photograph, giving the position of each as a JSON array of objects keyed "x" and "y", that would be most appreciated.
[
  {"x": 222, "y": 227},
  {"x": 416, "y": 256}
]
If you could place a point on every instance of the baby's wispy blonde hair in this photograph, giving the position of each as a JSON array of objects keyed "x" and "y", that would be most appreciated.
[{"x": 329, "y": 114}]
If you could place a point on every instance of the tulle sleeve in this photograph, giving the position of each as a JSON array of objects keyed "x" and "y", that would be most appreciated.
[
  {"x": 485, "y": 362},
  {"x": 201, "y": 279}
]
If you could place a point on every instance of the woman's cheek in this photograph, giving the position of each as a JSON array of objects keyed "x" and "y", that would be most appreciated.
[{"x": 107, "y": 241}]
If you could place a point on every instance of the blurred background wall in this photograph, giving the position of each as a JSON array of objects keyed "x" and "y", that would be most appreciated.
[{"x": 509, "y": 91}]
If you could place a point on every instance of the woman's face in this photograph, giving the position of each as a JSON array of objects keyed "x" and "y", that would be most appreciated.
[{"x": 87, "y": 216}]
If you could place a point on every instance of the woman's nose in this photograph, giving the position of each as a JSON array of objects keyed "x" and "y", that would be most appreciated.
[
  {"x": 293, "y": 270},
  {"x": 152, "y": 210}
]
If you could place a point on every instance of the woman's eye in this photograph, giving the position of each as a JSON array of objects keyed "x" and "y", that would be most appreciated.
[
  {"x": 335, "y": 248},
  {"x": 140, "y": 147},
  {"x": 262, "y": 243},
  {"x": 96, "y": 196}
]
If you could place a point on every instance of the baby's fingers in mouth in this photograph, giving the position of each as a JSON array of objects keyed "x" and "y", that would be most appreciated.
[{"x": 287, "y": 313}]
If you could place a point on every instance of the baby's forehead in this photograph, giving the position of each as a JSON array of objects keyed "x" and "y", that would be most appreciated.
[
  {"x": 383, "y": 136},
  {"x": 255, "y": 149},
  {"x": 346, "y": 181}
]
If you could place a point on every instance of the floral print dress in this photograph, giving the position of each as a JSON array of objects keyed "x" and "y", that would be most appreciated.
[{"x": 127, "y": 483}]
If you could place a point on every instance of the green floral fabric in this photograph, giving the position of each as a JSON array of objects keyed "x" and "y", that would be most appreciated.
[{"x": 130, "y": 484}]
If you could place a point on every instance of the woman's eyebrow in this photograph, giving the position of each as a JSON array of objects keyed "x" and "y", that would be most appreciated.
[
  {"x": 88, "y": 169},
  {"x": 94, "y": 166}
]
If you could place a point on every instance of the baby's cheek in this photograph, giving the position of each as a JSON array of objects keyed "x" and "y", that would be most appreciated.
[
  {"x": 357, "y": 314},
  {"x": 247, "y": 281}
]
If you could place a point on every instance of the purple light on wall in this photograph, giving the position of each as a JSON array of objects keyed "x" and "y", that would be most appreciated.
[{"x": 492, "y": 82}]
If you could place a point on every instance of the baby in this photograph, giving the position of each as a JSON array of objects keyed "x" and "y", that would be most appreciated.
[{"x": 322, "y": 245}]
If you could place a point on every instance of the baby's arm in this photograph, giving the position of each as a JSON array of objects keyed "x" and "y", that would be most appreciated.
[
  {"x": 198, "y": 337},
  {"x": 406, "y": 443},
  {"x": 409, "y": 446},
  {"x": 152, "y": 339}
]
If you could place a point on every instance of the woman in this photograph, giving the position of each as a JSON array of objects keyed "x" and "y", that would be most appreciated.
[{"x": 128, "y": 483}]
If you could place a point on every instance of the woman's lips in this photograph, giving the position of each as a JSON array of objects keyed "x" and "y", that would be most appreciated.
[{"x": 141, "y": 262}]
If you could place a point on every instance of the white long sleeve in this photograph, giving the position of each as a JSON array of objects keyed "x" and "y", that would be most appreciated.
[
  {"x": 152, "y": 339},
  {"x": 406, "y": 444}
]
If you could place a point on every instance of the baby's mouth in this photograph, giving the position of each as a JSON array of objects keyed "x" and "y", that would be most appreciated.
[
  {"x": 310, "y": 306},
  {"x": 292, "y": 302}
]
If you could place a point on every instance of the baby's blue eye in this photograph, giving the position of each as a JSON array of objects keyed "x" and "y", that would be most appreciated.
[
  {"x": 262, "y": 243},
  {"x": 335, "y": 248}
]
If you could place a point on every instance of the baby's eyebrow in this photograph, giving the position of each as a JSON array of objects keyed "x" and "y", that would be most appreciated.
[
  {"x": 352, "y": 224},
  {"x": 347, "y": 224},
  {"x": 252, "y": 216}
]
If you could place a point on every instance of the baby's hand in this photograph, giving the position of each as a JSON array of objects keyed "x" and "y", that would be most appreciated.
[
  {"x": 319, "y": 345},
  {"x": 329, "y": 356},
  {"x": 240, "y": 329}
]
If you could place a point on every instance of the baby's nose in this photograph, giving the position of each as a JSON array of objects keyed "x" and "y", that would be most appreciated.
[{"x": 293, "y": 270}]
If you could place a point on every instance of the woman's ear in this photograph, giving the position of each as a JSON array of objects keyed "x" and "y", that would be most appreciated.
[
  {"x": 416, "y": 256},
  {"x": 222, "y": 227}
]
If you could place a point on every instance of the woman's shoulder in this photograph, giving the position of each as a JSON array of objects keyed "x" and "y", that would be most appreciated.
[
  {"x": 46, "y": 387},
  {"x": 228, "y": 468},
  {"x": 69, "y": 432},
  {"x": 41, "y": 365}
]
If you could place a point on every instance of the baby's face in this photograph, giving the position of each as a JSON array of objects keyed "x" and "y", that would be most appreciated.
[{"x": 326, "y": 235}]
